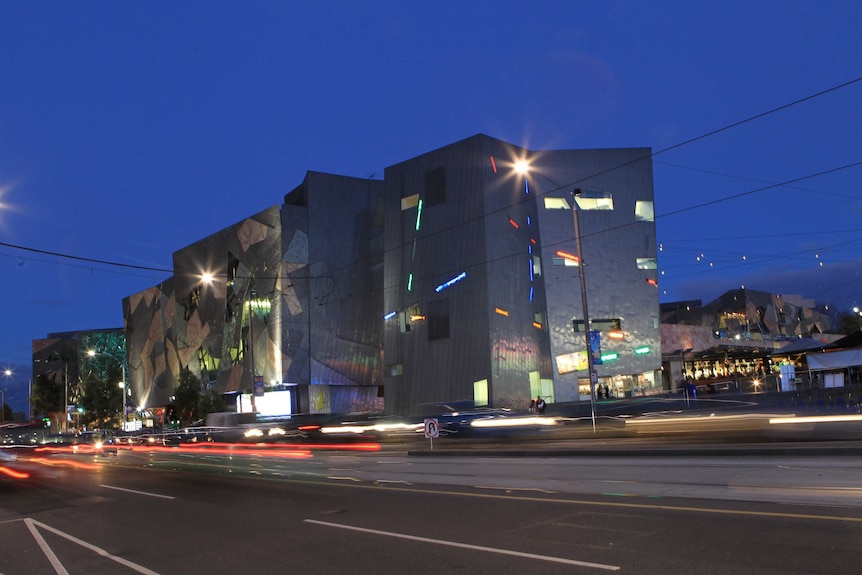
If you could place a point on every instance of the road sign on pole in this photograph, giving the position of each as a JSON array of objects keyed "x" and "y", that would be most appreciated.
[{"x": 432, "y": 430}]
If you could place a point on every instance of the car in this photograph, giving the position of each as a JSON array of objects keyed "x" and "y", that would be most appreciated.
[{"x": 95, "y": 442}]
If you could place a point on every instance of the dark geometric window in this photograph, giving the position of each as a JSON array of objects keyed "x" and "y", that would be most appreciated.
[
  {"x": 438, "y": 319},
  {"x": 598, "y": 324},
  {"x": 435, "y": 186}
]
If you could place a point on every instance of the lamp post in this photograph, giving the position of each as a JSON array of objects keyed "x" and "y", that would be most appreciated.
[
  {"x": 122, "y": 385},
  {"x": 523, "y": 167},
  {"x": 7, "y": 373},
  {"x": 92, "y": 353},
  {"x": 583, "y": 281}
]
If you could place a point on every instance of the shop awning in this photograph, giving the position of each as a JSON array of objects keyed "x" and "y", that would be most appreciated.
[{"x": 835, "y": 359}]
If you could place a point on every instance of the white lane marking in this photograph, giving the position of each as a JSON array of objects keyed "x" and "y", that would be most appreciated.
[
  {"x": 468, "y": 546},
  {"x": 343, "y": 478},
  {"x": 508, "y": 489},
  {"x": 137, "y": 492},
  {"x": 43, "y": 545},
  {"x": 32, "y": 523}
]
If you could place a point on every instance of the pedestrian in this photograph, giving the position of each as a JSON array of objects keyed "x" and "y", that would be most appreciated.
[
  {"x": 540, "y": 405},
  {"x": 532, "y": 406}
]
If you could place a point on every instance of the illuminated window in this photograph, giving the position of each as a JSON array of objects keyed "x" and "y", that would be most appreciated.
[
  {"x": 644, "y": 211},
  {"x": 647, "y": 264},
  {"x": 564, "y": 262},
  {"x": 556, "y": 204},
  {"x": 537, "y": 266},
  {"x": 435, "y": 186},
  {"x": 407, "y": 317},
  {"x": 480, "y": 393},
  {"x": 595, "y": 201},
  {"x": 409, "y": 202},
  {"x": 538, "y": 320}
]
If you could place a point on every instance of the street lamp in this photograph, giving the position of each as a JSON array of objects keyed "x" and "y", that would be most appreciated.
[
  {"x": 7, "y": 373},
  {"x": 522, "y": 167},
  {"x": 92, "y": 353},
  {"x": 583, "y": 281}
]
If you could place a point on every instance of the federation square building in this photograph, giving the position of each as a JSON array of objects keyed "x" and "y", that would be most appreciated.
[{"x": 455, "y": 279}]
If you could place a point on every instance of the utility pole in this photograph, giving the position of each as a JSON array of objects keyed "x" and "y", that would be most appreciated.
[{"x": 590, "y": 372}]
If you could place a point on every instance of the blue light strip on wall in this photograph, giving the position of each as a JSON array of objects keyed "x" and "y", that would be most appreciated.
[
  {"x": 529, "y": 222},
  {"x": 452, "y": 281},
  {"x": 531, "y": 293},
  {"x": 418, "y": 215},
  {"x": 526, "y": 186},
  {"x": 531, "y": 269},
  {"x": 410, "y": 282},
  {"x": 390, "y": 315}
]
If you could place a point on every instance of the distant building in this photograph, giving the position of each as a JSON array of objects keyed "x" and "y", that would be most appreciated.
[
  {"x": 70, "y": 358},
  {"x": 736, "y": 333}
]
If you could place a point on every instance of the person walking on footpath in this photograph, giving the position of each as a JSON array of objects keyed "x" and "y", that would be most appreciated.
[
  {"x": 540, "y": 405},
  {"x": 532, "y": 406}
]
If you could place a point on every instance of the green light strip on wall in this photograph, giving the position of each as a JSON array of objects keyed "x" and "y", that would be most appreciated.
[{"x": 418, "y": 215}]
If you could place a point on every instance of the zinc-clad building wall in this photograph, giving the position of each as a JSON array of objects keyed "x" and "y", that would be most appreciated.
[
  {"x": 457, "y": 278},
  {"x": 455, "y": 249},
  {"x": 296, "y": 292},
  {"x": 617, "y": 230},
  {"x": 470, "y": 253},
  {"x": 333, "y": 243}
]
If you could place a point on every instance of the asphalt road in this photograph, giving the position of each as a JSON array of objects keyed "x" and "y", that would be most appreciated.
[{"x": 389, "y": 512}]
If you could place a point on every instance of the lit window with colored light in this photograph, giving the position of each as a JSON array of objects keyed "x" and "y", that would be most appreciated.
[
  {"x": 390, "y": 315},
  {"x": 642, "y": 350},
  {"x": 410, "y": 282},
  {"x": 494, "y": 164},
  {"x": 610, "y": 356},
  {"x": 451, "y": 282},
  {"x": 616, "y": 334},
  {"x": 570, "y": 259},
  {"x": 418, "y": 215},
  {"x": 514, "y": 224},
  {"x": 646, "y": 263},
  {"x": 501, "y": 312}
]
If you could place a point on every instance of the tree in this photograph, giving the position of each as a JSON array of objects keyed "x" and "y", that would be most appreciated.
[
  {"x": 47, "y": 396},
  {"x": 7, "y": 413},
  {"x": 187, "y": 395},
  {"x": 102, "y": 399},
  {"x": 211, "y": 402},
  {"x": 847, "y": 322}
]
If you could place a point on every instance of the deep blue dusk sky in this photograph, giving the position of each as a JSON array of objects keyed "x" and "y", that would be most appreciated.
[{"x": 129, "y": 130}]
